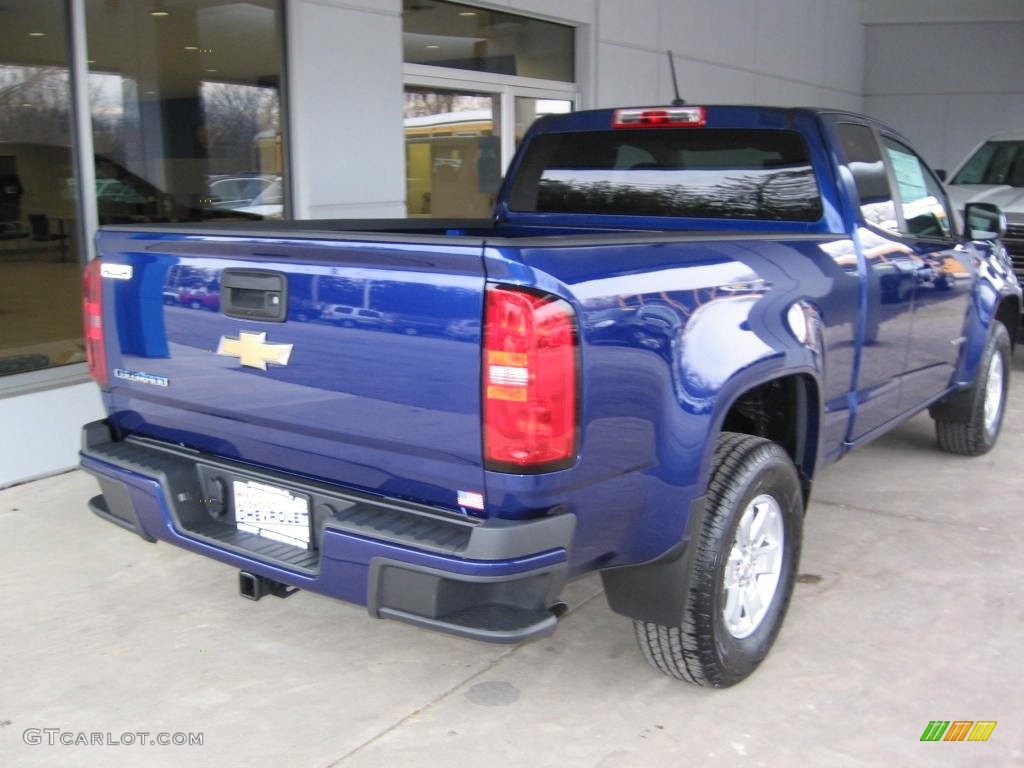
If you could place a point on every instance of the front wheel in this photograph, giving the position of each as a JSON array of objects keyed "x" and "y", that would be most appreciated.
[
  {"x": 744, "y": 568},
  {"x": 968, "y": 422}
]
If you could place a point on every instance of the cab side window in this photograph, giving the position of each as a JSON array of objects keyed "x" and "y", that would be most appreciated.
[
  {"x": 923, "y": 203},
  {"x": 864, "y": 160}
]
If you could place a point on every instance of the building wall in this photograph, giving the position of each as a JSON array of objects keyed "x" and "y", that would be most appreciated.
[
  {"x": 345, "y": 108},
  {"x": 42, "y": 430},
  {"x": 946, "y": 85},
  {"x": 785, "y": 52}
]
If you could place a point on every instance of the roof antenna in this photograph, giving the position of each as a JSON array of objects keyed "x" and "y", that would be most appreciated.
[{"x": 677, "y": 101}]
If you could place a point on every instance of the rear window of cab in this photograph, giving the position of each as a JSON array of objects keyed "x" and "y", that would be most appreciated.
[{"x": 706, "y": 173}]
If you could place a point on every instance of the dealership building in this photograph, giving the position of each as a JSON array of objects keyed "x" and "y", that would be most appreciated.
[{"x": 127, "y": 111}]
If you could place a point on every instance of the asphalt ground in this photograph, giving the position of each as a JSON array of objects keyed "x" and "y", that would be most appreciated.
[{"x": 909, "y": 610}]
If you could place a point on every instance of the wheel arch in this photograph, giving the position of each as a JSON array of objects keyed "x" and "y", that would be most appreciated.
[
  {"x": 1008, "y": 313},
  {"x": 1004, "y": 309},
  {"x": 784, "y": 409}
]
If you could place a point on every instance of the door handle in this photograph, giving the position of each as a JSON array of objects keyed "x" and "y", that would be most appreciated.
[{"x": 250, "y": 294}]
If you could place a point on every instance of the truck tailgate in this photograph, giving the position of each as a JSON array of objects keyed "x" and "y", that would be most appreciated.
[{"x": 382, "y": 391}]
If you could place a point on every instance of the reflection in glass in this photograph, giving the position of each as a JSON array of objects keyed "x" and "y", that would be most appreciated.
[
  {"x": 708, "y": 174},
  {"x": 444, "y": 34},
  {"x": 40, "y": 272},
  {"x": 186, "y": 109},
  {"x": 529, "y": 108},
  {"x": 864, "y": 159},
  {"x": 452, "y": 152},
  {"x": 924, "y": 210}
]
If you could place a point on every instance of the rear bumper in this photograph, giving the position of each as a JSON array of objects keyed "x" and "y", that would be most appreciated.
[{"x": 491, "y": 580}]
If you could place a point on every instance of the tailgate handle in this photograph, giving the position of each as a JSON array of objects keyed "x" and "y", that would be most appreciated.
[{"x": 251, "y": 294}]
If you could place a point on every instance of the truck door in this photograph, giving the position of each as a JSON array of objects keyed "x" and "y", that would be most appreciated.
[
  {"x": 942, "y": 275},
  {"x": 886, "y": 266}
]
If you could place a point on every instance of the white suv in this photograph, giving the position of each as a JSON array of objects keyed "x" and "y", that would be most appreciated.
[
  {"x": 339, "y": 314},
  {"x": 994, "y": 173}
]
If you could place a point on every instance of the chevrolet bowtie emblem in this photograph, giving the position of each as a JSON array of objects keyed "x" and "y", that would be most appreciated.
[{"x": 252, "y": 350}]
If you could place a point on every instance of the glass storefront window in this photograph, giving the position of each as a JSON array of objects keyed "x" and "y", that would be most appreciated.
[
  {"x": 461, "y": 127},
  {"x": 186, "y": 110},
  {"x": 529, "y": 108},
  {"x": 442, "y": 34},
  {"x": 453, "y": 147},
  {"x": 40, "y": 271},
  {"x": 185, "y": 107},
  {"x": 452, "y": 152}
]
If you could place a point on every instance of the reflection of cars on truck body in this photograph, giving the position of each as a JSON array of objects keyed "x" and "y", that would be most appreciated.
[
  {"x": 680, "y": 323},
  {"x": 340, "y": 314},
  {"x": 199, "y": 297}
]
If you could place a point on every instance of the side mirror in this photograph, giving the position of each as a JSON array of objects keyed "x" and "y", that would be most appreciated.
[
  {"x": 984, "y": 221},
  {"x": 941, "y": 173}
]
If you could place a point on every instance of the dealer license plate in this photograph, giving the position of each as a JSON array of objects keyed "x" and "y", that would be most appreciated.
[{"x": 272, "y": 512}]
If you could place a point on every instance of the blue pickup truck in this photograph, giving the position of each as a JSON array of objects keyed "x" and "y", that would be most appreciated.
[{"x": 675, "y": 317}]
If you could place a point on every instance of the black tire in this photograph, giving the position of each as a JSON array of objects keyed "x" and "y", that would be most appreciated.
[
  {"x": 968, "y": 422},
  {"x": 703, "y": 649}
]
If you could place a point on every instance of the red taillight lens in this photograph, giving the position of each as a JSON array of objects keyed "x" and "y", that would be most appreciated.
[
  {"x": 660, "y": 117},
  {"x": 530, "y": 381},
  {"x": 92, "y": 320}
]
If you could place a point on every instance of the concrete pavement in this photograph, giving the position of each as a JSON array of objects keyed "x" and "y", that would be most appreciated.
[{"x": 910, "y": 609}]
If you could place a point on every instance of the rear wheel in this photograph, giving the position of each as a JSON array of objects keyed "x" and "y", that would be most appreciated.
[
  {"x": 743, "y": 570},
  {"x": 968, "y": 422}
]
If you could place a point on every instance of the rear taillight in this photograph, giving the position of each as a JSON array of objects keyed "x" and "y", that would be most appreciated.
[
  {"x": 530, "y": 381},
  {"x": 92, "y": 320}
]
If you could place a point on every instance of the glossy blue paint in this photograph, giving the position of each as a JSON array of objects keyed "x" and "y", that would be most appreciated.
[
  {"x": 658, "y": 373},
  {"x": 393, "y": 411},
  {"x": 678, "y": 320}
]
